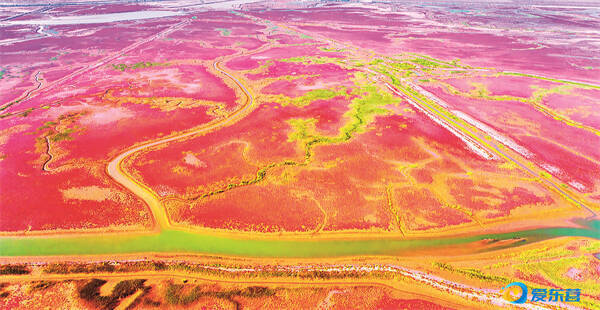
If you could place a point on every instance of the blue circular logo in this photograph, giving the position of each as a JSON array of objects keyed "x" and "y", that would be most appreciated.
[{"x": 515, "y": 293}]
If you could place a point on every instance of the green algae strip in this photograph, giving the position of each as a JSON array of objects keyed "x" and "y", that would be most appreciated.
[{"x": 174, "y": 241}]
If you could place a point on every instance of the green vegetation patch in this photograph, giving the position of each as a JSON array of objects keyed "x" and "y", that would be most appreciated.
[
  {"x": 472, "y": 273},
  {"x": 540, "y": 93},
  {"x": 376, "y": 61},
  {"x": 368, "y": 103},
  {"x": 307, "y": 60},
  {"x": 41, "y": 285},
  {"x": 62, "y": 136},
  {"x": 127, "y": 287},
  {"x": 224, "y": 31},
  {"x": 14, "y": 269},
  {"x": 303, "y": 129},
  {"x": 176, "y": 294},
  {"x": 554, "y": 270},
  {"x": 390, "y": 74},
  {"x": 428, "y": 63},
  {"x": 181, "y": 294},
  {"x": 27, "y": 112},
  {"x": 139, "y": 65},
  {"x": 403, "y": 65},
  {"x": 47, "y": 125},
  {"x": 332, "y": 50},
  {"x": 80, "y": 268},
  {"x": 294, "y": 59},
  {"x": 91, "y": 292},
  {"x": 313, "y": 95}
]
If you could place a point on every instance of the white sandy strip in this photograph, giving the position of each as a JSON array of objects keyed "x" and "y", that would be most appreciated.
[
  {"x": 427, "y": 94},
  {"x": 469, "y": 142},
  {"x": 95, "y": 19},
  {"x": 465, "y": 291},
  {"x": 577, "y": 185},
  {"x": 494, "y": 134}
]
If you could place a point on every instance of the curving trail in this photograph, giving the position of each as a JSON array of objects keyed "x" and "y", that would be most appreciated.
[
  {"x": 118, "y": 174},
  {"x": 163, "y": 225},
  {"x": 171, "y": 238}
]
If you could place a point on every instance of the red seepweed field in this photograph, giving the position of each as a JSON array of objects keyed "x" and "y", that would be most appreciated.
[{"x": 298, "y": 155}]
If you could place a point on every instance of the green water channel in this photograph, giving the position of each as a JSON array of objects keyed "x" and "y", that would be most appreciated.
[{"x": 174, "y": 241}]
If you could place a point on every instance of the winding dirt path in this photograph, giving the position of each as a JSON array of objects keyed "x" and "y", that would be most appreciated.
[{"x": 118, "y": 174}]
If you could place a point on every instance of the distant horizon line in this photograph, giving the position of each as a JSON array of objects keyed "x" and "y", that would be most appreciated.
[{"x": 559, "y": 3}]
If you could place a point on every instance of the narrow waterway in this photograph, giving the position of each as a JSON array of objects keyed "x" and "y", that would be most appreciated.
[{"x": 175, "y": 241}]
